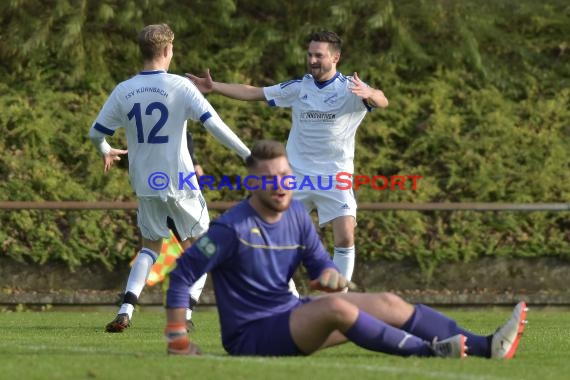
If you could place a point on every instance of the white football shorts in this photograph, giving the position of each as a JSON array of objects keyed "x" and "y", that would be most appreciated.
[
  {"x": 330, "y": 204},
  {"x": 190, "y": 216}
]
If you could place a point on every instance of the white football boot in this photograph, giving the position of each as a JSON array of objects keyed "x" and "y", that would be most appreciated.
[
  {"x": 452, "y": 347},
  {"x": 507, "y": 337}
]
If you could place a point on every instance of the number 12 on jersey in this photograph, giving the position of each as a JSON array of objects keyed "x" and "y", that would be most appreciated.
[{"x": 153, "y": 137}]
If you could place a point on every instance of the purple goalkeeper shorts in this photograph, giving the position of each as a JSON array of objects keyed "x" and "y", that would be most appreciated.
[{"x": 269, "y": 336}]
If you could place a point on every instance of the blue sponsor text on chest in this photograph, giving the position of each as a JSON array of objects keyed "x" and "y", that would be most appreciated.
[
  {"x": 316, "y": 116},
  {"x": 143, "y": 90}
]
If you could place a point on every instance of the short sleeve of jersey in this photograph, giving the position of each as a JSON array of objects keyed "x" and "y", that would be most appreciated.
[
  {"x": 110, "y": 117},
  {"x": 359, "y": 103},
  {"x": 198, "y": 107},
  {"x": 282, "y": 94}
]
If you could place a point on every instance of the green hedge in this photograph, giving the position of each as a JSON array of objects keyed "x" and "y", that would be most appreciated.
[{"x": 479, "y": 107}]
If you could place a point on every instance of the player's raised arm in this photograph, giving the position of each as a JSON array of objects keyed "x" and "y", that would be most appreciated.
[
  {"x": 372, "y": 96},
  {"x": 231, "y": 90}
]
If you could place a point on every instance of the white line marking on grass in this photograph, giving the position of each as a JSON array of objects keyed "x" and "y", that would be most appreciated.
[
  {"x": 273, "y": 361},
  {"x": 366, "y": 367},
  {"x": 63, "y": 349}
]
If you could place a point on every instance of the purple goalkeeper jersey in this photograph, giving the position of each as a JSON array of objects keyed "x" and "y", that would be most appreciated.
[{"x": 250, "y": 262}]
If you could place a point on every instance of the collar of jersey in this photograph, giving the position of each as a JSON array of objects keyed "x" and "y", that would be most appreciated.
[
  {"x": 152, "y": 72},
  {"x": 262, "y": 221},
  {"x": 326, "y": 83}
]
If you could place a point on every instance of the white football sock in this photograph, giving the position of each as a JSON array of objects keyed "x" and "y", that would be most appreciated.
[
  {"x": 195, "y": 293},
  {"x": 197, "y": 287},
  {"x": 344, "y": 260},
  {"x": 137, "y": 277},
  {"x": 293, "y": 288},
  {"x": 127, "y": 308}
]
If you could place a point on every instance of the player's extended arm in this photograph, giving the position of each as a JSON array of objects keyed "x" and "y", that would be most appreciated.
[
  {"x": 231, "y": 90},
  {"x": 372, "y": 96}
]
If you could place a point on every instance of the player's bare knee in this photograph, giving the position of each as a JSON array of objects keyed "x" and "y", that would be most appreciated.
[
  {"x": 392, "y": 301},
  {"x": 337, "y": 309}
]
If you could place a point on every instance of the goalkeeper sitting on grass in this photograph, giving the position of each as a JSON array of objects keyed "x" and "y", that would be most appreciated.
[{"x": 252, "y": 251}]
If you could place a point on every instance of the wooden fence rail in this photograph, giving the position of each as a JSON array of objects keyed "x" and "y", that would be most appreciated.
[{"x": 366, "y": 206}]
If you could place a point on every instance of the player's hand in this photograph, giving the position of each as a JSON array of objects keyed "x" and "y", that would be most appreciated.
[
  {"x": 110, "y": 158},
  {"x": 205, "y": 85},
  {"x": 330, "y": 281},
  {"x": 359, "y": 88},
  {"x": 372, "y": 96},
  {"x": 199, "y": 171}
]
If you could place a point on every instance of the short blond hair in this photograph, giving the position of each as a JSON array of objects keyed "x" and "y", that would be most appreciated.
[{"x": 153, "y": 39}]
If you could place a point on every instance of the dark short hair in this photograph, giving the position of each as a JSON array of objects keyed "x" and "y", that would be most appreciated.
[
  {"x": 265, "y": 150},
  {"x": 153, "y": 38},
  {"x": 326, "y": 36}
]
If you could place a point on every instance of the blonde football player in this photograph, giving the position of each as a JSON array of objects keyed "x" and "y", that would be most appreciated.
[{"x": 153, "y": 107}]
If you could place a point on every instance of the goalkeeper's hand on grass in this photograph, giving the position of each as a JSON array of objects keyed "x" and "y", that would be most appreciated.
[{"x": 329, "y": 281}]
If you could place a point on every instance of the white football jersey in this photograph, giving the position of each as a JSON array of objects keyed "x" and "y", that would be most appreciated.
[
  {"x": 153, "y": 107},
  {"x": 325, "y": 117}
]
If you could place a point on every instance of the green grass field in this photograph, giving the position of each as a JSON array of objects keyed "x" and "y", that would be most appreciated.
[{"x": 72, "y": 345}]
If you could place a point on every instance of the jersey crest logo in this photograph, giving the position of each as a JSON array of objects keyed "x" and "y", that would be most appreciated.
[
  {"x": 206, "y": 246},
  {"x": 331, "y": 99},
  {"x": 256, "y": 231}
]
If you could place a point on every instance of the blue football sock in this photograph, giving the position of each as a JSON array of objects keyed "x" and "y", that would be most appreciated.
[
  {"x": 376, "y": 335},
  {"x": 427, "y": 324}
]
